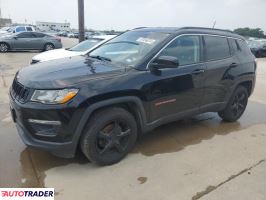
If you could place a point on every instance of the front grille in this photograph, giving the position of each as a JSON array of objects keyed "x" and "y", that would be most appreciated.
[{"x": 19, "y": 92}]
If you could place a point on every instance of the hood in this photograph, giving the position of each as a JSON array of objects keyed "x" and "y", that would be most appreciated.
[
  {"x": 66, "y": 72},
  {"x": 55, "y": 54}
]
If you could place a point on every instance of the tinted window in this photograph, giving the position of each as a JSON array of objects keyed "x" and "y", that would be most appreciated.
[
  {"x": 244, "y": 47},
  {"x": 29, "y": 28},
  {"x": 234, "y": 46},
  {"x": 39, "y": 35},
  {"x": 185, "y": 48},
  {"x": 25, "y": 35},
  {"x": 216, "y": 47},
  {"x": 20, "y": 29}
]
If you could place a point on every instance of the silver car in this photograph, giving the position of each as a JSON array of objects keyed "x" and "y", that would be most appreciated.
[{"x": 29, "y": 41}]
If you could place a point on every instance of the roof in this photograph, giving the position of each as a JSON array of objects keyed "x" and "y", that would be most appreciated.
[{"x": 196, "y": 30}]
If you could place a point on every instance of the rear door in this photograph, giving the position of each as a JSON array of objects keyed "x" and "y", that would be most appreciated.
[
  {"x": 217, "y": 79},
  {"x": 38, "y": 41}
]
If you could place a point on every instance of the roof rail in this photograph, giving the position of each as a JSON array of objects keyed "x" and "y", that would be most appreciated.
[{"x": 188, "y": 27}]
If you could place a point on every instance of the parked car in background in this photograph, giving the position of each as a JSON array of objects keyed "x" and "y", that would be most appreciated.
[
  {"x": 63, "y": 33},
  {"x": 73, "y": 35},
  {"x": 29, "y": 41},
  {"x": 80, "y": 49},
  {"x": 258, "y": 48},
  {"x": 142, "y": 79},
  {"x": 17, "y": 29},
  {"x": 4, "y": 30}
]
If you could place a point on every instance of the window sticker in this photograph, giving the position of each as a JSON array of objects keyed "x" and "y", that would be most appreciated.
[{"x": 146, "y": 40}]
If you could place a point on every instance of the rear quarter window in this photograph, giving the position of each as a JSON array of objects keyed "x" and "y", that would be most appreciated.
[
  {"x": 244, "y": 47},
  {"x": 234, "y": 46},
  {"x": 217, "y": 48}
]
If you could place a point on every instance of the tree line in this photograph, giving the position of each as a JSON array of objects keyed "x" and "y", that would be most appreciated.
[{"x": 249, "y": 32}]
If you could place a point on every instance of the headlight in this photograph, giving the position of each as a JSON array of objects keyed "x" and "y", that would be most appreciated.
[{"x": 54, "y": 96}]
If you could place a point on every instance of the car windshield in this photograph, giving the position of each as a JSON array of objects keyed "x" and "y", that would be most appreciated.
[
  {"x": 130, "y": 47},
  {"x": 86, "y": 45}
]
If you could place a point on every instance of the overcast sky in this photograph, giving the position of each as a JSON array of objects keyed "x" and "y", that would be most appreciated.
[{"x": 127, "y": 14}]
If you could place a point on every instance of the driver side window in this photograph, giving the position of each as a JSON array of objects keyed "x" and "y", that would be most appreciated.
[{"x": 185, "y": 48}]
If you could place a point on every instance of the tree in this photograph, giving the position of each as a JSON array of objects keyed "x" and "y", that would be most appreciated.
[{"x": 256, "y": 32}]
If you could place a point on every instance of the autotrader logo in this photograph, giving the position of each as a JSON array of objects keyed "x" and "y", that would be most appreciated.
[{"x": 26, "y": 193}]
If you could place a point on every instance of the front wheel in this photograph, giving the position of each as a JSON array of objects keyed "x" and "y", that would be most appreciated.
[
  {"x": 48, "y": 47},
  {"x": 236, "y": 105},
  {"x": 109, "y": 136}
]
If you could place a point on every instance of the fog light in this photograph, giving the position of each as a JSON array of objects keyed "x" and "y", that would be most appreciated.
[
  {"x": 44, "y": 128},
  {"x": 36, "y": 121}
]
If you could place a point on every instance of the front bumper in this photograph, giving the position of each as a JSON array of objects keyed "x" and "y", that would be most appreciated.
[
  {"x": 58, "y": 139},
  {"x": 64, "y": 150}
]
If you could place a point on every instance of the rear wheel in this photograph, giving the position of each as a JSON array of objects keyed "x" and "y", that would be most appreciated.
[
  {"x": 109, "y": 136},
  {"x": 48, "y": 47},
  {"x": 236, "y": 105},
  {"x": 4, "y": 47}
]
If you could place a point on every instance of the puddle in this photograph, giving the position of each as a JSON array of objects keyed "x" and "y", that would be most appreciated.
[
  {"x": 25, "y": 167},
  {"x": 176, "y": 136}
]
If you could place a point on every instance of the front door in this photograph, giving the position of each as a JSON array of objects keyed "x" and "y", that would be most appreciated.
[
  {"x": 178, "y": 91},
  {"x": 23, "y": 41}
]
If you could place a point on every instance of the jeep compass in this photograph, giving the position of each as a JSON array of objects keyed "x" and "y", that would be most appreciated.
[{"x": 103, "y": 101}]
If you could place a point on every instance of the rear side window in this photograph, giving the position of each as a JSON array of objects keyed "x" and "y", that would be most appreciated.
[
  {"x": 29, "y": 28},
  {"x": 25, "y": 35},
  {"x": 20, "y": 29},
  {"x": 39, "y": 35},
  {"x": 234, "y": 45},
  {"x": 216, "y": 48},
  {"x": 185, "y": 48}
]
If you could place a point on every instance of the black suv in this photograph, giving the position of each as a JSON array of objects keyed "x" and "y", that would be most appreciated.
[{"x": 137, "y": 81}]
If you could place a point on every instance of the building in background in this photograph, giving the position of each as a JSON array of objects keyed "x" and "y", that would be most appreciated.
[
  {"x": 52, "y": 26},
  {"x": 4, "y": 21}
]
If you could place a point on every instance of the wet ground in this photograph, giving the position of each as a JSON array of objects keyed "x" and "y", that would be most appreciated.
[{"x": 197, "y": 158}]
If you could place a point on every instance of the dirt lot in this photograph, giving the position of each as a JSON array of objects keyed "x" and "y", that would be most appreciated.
[{"x": 198, "y": 158}]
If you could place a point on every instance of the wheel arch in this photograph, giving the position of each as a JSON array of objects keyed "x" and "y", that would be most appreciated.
[{"x": 132, "y": 104}]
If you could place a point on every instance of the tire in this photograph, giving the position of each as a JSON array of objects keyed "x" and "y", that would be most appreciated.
[
  {"x": 109, "y": 135},
  {"x": 4, "y": 47},
  {"x": 48, "y": 47},
  {"x": 236, "y": 105}
]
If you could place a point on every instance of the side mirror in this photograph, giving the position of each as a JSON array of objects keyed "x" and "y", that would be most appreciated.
[
  {"x": 15, "y": 37},
  {"x": 164, "y": 62}
]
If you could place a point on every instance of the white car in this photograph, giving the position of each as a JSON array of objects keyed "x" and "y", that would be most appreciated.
[{"x": 80, "y": 49}]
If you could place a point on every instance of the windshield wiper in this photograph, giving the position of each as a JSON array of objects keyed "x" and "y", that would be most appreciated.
[{"x": 101, "y": 58}]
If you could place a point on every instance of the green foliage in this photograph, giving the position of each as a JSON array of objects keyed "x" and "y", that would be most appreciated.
[{"x": 256, "y": 32}]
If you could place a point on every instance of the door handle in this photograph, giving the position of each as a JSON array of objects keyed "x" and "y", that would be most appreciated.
[
  {"x": 198, "y": 71},
  {"x": 233, "y": 65}
]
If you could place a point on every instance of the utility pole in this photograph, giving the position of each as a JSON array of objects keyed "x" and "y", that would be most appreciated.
[{"x": 81, "y": 20}]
